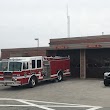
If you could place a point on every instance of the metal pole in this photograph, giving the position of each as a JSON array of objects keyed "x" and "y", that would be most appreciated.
[
  {"x": 38, "y": 42},
  {"x": 37, "y": 39},
  {"x": 68, "y": 23},
  {"x": 68, "y": 26}
]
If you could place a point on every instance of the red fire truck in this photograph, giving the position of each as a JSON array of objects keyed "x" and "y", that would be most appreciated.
[{"x": 18, "y": 71}]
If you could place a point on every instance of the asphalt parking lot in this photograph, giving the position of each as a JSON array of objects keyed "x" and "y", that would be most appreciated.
[{"x": 71, "y": 94}]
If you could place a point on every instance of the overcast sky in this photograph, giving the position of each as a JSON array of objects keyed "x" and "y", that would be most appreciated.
[{"x": 21, "y": 21}]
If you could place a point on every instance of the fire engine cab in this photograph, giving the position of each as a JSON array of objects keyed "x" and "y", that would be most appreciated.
[{"x": 17, "y": 71}]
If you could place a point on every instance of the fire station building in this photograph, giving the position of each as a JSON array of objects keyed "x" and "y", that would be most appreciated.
[{"x": 90, "y": 56}]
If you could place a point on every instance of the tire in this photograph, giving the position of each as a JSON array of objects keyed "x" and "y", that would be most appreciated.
[
  {"x": 106, "y": 83},
  {"x": 53, "y": 80},
  {"x": 60, "y": 77},
  {"x": 14, "y": 86},
  {"x": 32, "y": 82}
]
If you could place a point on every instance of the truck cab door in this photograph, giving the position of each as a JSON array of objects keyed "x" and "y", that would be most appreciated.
[{"x": 25, "y": 71}]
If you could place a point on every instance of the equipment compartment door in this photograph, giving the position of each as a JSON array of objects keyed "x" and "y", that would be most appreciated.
[{"x": 46, "y": 69}]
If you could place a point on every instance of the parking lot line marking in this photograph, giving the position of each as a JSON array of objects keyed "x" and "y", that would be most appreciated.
[
  {"x": 53, "y": 102},
  {"x": 79, "y": 105},
  {"x": 95, "y": 108},
  {"x": 65, "y": 106},
  {"x": 70, "y": 106},
  {"x": 35, "y": 105},
  {"x": 44, "y": 105},
  {"x": 14, "y": 105},
  {"x": 6, "y": 99}
]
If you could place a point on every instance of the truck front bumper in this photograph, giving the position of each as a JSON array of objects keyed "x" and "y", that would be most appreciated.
[{"x": 10, "y": 83}]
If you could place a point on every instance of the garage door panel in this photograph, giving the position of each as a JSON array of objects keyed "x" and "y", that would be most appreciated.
[{"x": 97, "y": 62}]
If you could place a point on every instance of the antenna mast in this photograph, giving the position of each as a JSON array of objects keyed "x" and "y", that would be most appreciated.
[{"x": 68, "y": 23}]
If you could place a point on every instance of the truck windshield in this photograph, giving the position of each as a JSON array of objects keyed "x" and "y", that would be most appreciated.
[
  {"x": 15, "y": 66},
  {"x": 3, "y": 66}
]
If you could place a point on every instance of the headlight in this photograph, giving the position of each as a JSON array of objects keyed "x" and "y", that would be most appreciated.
[
  {"x": 105, "y": 77},
  {"x": 14, "y": 78}
]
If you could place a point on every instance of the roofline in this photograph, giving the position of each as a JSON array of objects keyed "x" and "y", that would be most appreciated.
[
  {"x": 32, "y": 48},
  {"x": 83, "y": 37}
]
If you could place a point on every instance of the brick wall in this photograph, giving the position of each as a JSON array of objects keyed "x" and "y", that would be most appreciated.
[
  {"x": 17, "y": 52},
  {"x": 78, "y": 40}
]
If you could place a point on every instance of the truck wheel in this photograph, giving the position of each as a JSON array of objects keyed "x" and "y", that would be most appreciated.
[
  {"x": 60, "y": 77},
  {"x": 32, "y": 82},
  {"x": 14, "y": 86},
  {"x": 106, "y": 83}
]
